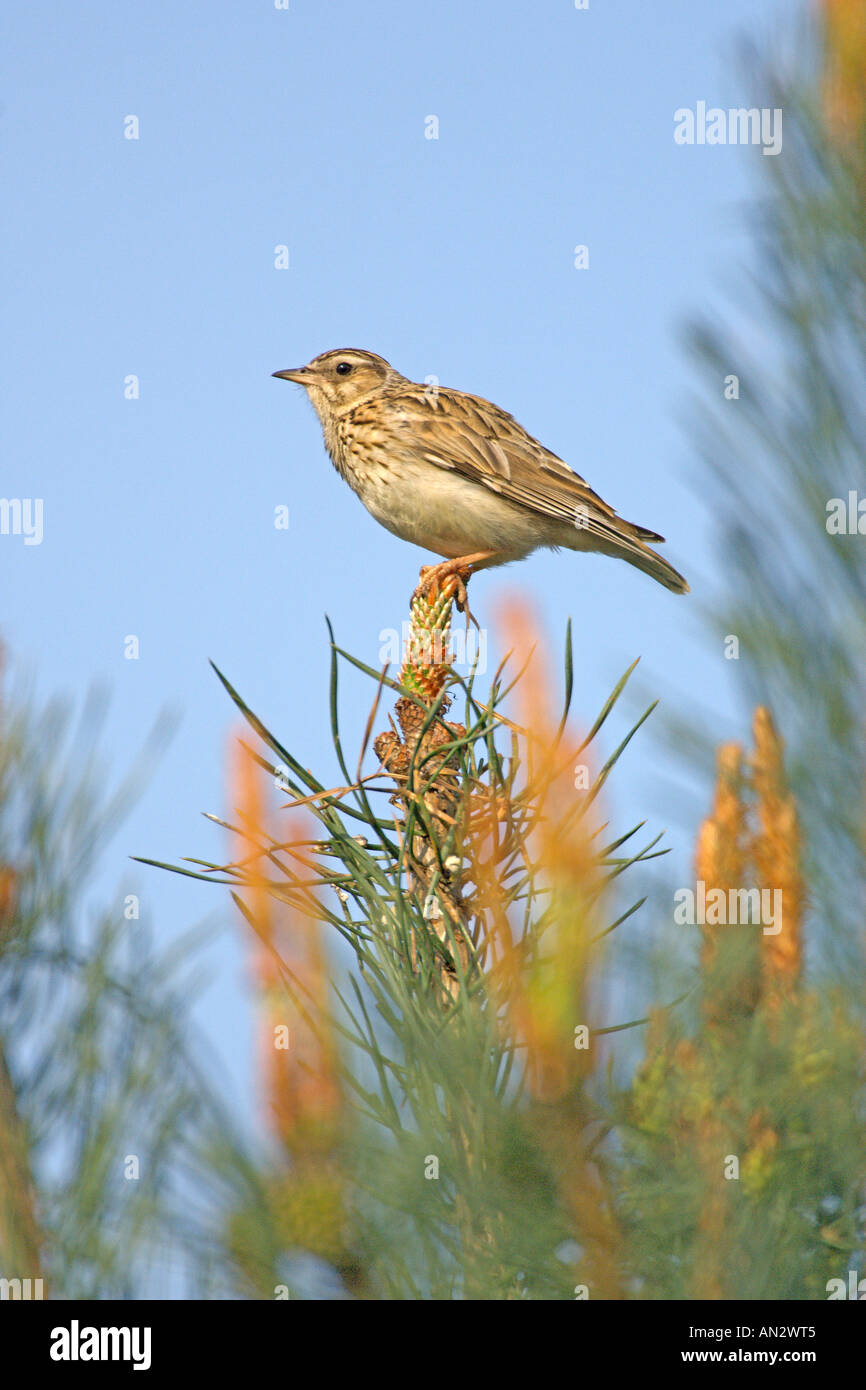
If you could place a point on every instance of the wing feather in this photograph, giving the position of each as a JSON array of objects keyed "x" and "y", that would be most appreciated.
[{"x": 464, "y": 433}]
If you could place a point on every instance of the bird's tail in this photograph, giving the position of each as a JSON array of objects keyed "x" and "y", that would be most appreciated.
[{"x": 637, "y": 553}]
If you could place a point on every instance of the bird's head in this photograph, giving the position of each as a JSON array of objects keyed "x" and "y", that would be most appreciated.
[{"x": 337, "y": 380}]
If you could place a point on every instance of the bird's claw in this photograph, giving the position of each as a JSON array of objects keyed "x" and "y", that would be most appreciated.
[{"x": 438, "y": 576}]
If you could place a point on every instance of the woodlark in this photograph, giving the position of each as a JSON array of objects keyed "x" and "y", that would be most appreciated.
[{"x": 455, "y": 474}]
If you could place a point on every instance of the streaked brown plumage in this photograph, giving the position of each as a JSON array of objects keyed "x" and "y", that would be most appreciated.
[{"x": 455, "y": 474}]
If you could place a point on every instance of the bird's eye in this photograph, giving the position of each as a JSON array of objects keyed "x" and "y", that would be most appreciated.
[{"x": 344, "y": 368}]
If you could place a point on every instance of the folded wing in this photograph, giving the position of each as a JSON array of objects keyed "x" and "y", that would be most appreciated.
[{"x": 454, "y": 430}]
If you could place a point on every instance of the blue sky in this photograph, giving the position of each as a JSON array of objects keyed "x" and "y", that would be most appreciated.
[{"x": 452, "y": 257}]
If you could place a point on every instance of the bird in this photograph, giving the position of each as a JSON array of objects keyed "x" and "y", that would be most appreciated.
[{"x": 458, "y": 476}]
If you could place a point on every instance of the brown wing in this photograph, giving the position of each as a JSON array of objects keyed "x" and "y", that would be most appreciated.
[{"x": 454, "y": 430}]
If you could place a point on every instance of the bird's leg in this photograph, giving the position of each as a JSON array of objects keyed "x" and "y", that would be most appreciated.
[{"x": 460, "y": 570}]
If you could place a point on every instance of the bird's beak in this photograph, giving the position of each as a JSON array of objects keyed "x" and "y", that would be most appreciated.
[{"x": 302, "y": 375}]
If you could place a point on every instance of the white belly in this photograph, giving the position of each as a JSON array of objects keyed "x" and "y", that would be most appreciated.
[{"x": 440, "y": 511}]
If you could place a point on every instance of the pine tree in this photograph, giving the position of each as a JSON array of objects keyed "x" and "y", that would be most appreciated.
[{"x": 104, "y": 1114}]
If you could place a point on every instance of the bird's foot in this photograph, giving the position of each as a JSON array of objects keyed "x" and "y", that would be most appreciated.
[
  {"x": 436, "y": 581},
  {"x": 450, "y": 578}
]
